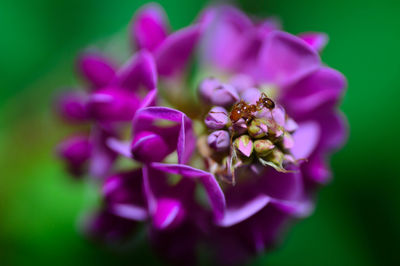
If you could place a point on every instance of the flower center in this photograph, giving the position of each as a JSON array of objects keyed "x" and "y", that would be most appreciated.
[{"x": 246, "y": 128}]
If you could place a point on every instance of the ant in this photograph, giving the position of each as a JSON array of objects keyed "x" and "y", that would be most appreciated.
[{"x": 245, "y": 111}]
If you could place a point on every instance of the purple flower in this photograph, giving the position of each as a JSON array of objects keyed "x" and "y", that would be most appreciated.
[{"x": 231, "y": 170}]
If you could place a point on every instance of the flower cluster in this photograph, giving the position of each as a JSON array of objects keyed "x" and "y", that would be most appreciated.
[{"x": 229, "y": 168}]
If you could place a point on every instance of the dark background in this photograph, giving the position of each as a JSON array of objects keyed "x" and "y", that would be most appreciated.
[{"x": 357, "y": 217}]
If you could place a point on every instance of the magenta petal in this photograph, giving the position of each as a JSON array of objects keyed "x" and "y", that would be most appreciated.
[
  {"x": 298, "y": 209},
  {"x": 168, "y": 212},
  {"x": 113, "y": 104},
  {"x": 120, "y": 147},
  {"x": 149, "y": 147},
  {"x": 214, "y": 192},
  {"x": 285, "y": 59},
  {"x": 102, "y": 156},
  {"x": 316, "y": 40},
  {"x": 186, "y": 139},
  {"x": 322, "y": 88},
  {"x": 174, "y": 53},
  {"x": 76, "y": 151},
  {"x": 237, "y": 214},
  {"x": 96, "y": 69},
  {"x": 306, "y": 138},
  {"x": 149, "y": 27},
  {"x": 139, "y": 71},
  {"x": 72, "y": 107}
]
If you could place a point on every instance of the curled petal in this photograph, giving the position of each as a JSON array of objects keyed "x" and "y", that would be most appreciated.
[
  {"x": 168, "y": 212},
  {"x": 149, "y": 28},
  {"x": 215, "y": 195},
  {"x": 185, "y": 138},
  {"x": 96, "y": 69},
  {"x": 285, "y": 59}
]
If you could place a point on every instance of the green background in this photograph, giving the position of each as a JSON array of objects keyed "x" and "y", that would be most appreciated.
[{"x": 357, "y": 217}]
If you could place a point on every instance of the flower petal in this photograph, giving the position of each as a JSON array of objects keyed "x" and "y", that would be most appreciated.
[
  {"x": 306, "y": 138},
  {"x": 316, "y": 40},
  {"x": 96, "y": 69},
  {"x": 168, "y": 212},
  {"x": 140, "y": 70},
  {"x": 186, "y": 139},
  {"x": 174, "y": 53},
  {"x": 323, "y": 87},
  {"x": 215, "y": 195},
  {"x": 285, "y": 59},
  {"x": 149, "y": 28}
]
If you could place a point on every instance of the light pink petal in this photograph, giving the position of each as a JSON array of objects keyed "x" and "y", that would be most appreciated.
[
  {"x": 174, "y": 53},
  {"x": 322, "y": 88},
  {"x": 306, "y": 138},
  {"x": 130, "y": 211},
  {"x": 285, "y": 59}
]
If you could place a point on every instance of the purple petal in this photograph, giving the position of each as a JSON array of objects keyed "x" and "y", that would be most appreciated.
[
  {"x": 76, "y": 151},
  {"x": 140, "y": 70},
  {"x": 129, "y": 211},
  {"x": 120, "y": 147},
  {"x": 96, "y": 69},
  {"x": 186, "y": 139},
  {"x": 149, "y": 27},
  {"x": 323, "y": 87},
  {"x": 285, "y": 59},
  {"x": 306, "y": 138},
  {"x": 214, "y": 192},
  {"x": 174, "y": 53},
  {"x": 316, "y": 40},
  {"x": 149, "y": 147},
  {"x": 72, "y": 107},
  {"x": 102, "y": 156},
  {"x": 112, "y": 104},
  {"x": 237, "y": 214},
  {"x": 168, "y": 213}
]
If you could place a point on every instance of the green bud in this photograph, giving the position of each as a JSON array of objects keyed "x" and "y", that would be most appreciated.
[
  {"x": 263, "y": 147},
  {"x": 244, "y": 145},
  {"x": 258, "y": 128}
]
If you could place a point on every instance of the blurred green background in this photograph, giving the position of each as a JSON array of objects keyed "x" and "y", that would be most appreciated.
[{"x": 358, "y": 215}]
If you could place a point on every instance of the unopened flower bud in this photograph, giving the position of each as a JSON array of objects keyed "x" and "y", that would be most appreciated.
[
  {"x": 217, "y": 118},
  {"x": 244, "y": 145},
  {"x": 224, "y": 95},
  {"x": 207, "y": 87},
  {"x": 219, "y": 140},
  {"x": 276, "y": 157},
  {"x": 263, "y": 147},
  {"x": 258, "y": 128}
]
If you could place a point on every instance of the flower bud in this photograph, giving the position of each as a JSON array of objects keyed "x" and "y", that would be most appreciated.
[
  {"x": 217, "y": 118},
  {"x": 276, "y": 157},
  {"x": 206, "y": 88},
  {"x": 76, "y": 151},
  {"x": 224, "y": 95},
  {"x": 219, "y": 140},
  {"x": 258, "y": 128},
  {"x": 72, "y": 107},
  {"x": 263, "y": 147},
  {"x": 149, "y": 147},
  {"x": 244, "y": 145}
]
